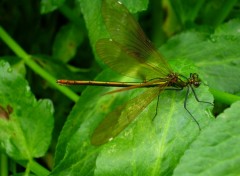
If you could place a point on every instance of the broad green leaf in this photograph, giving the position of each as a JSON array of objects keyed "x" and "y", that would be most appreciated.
[
  {"x": 149, "y": 142},
  {"x": 92, "y": 14},
  {"x": 25, "y": 123},
  {"x": 217, "y": 56},
  {"x": 147, "y": 145},
  {"x": 135, "y": 6},
  {"x": 67, "y": 42},
  {"x": 216, "y": 151},
  {"x": 16, "y": 63}
]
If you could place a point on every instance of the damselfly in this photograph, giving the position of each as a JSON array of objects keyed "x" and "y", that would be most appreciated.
[{"x": 131, "y": 53}]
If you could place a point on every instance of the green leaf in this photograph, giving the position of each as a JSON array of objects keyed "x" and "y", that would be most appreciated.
[
  {"x": 145, "y": 147},
  {"x": 217, "y": 56},
  {"x": 216, "y": 151},
  {"x": 16, "y": 63},
  {"x": 50, "y": 5},
  {"x": 94, "y": 23},
  {"x": 25, "y": 123},
  {"x": 135, "y": 6},
  {"x": 67, "y": 42}
]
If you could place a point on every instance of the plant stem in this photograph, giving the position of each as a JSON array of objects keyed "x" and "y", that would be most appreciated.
[
  {"x": 34, "y": 167},
  {"x": 35, "y": 67},
  {"x": 4, "y": 164},
  {"x": 224, "y": 11}
]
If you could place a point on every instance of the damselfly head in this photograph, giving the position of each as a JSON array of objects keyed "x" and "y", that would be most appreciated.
[{"x": 194, "y": 80}]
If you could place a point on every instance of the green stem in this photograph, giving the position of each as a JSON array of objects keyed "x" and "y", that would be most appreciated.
[
  {"x": 34, "y": 167},
  {"x": 4, "y": 165},
  {"x": 36, "y": 68},
  {"x": 27, "y": 171},
  {"x": 224, "y": 97},
  {"x": 215, "y": 16},
  {"x": 224, "y": 11}
]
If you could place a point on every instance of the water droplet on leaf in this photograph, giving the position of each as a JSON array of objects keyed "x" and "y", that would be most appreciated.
[
  {"x": 28, "y": 91},
  {"x": 213, "y": 39},
  {"x": 9, "y": 70}
]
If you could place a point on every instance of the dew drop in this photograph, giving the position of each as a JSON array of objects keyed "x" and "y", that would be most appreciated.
[
  {"x": 49, "y": 106},
  {"x": 28, "y": 91},
  {"x": 27, "y": 88},
  {"x": 9, "y": 70},
  {"x": 119, "y": 2},
  {"x": 213, "y": 39}
]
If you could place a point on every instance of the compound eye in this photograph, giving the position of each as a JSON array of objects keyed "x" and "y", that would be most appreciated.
[{"x": 196, "y": 84}]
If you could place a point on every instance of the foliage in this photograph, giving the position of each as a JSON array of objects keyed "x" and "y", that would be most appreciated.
[{"x": 40, "y": 120}]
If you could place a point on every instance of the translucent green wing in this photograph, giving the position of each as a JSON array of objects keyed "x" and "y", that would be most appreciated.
[
  {"x": 116, "y": 57},
  {"x": 122, "y": 116},
  {"x": 130, "y": 39}
]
